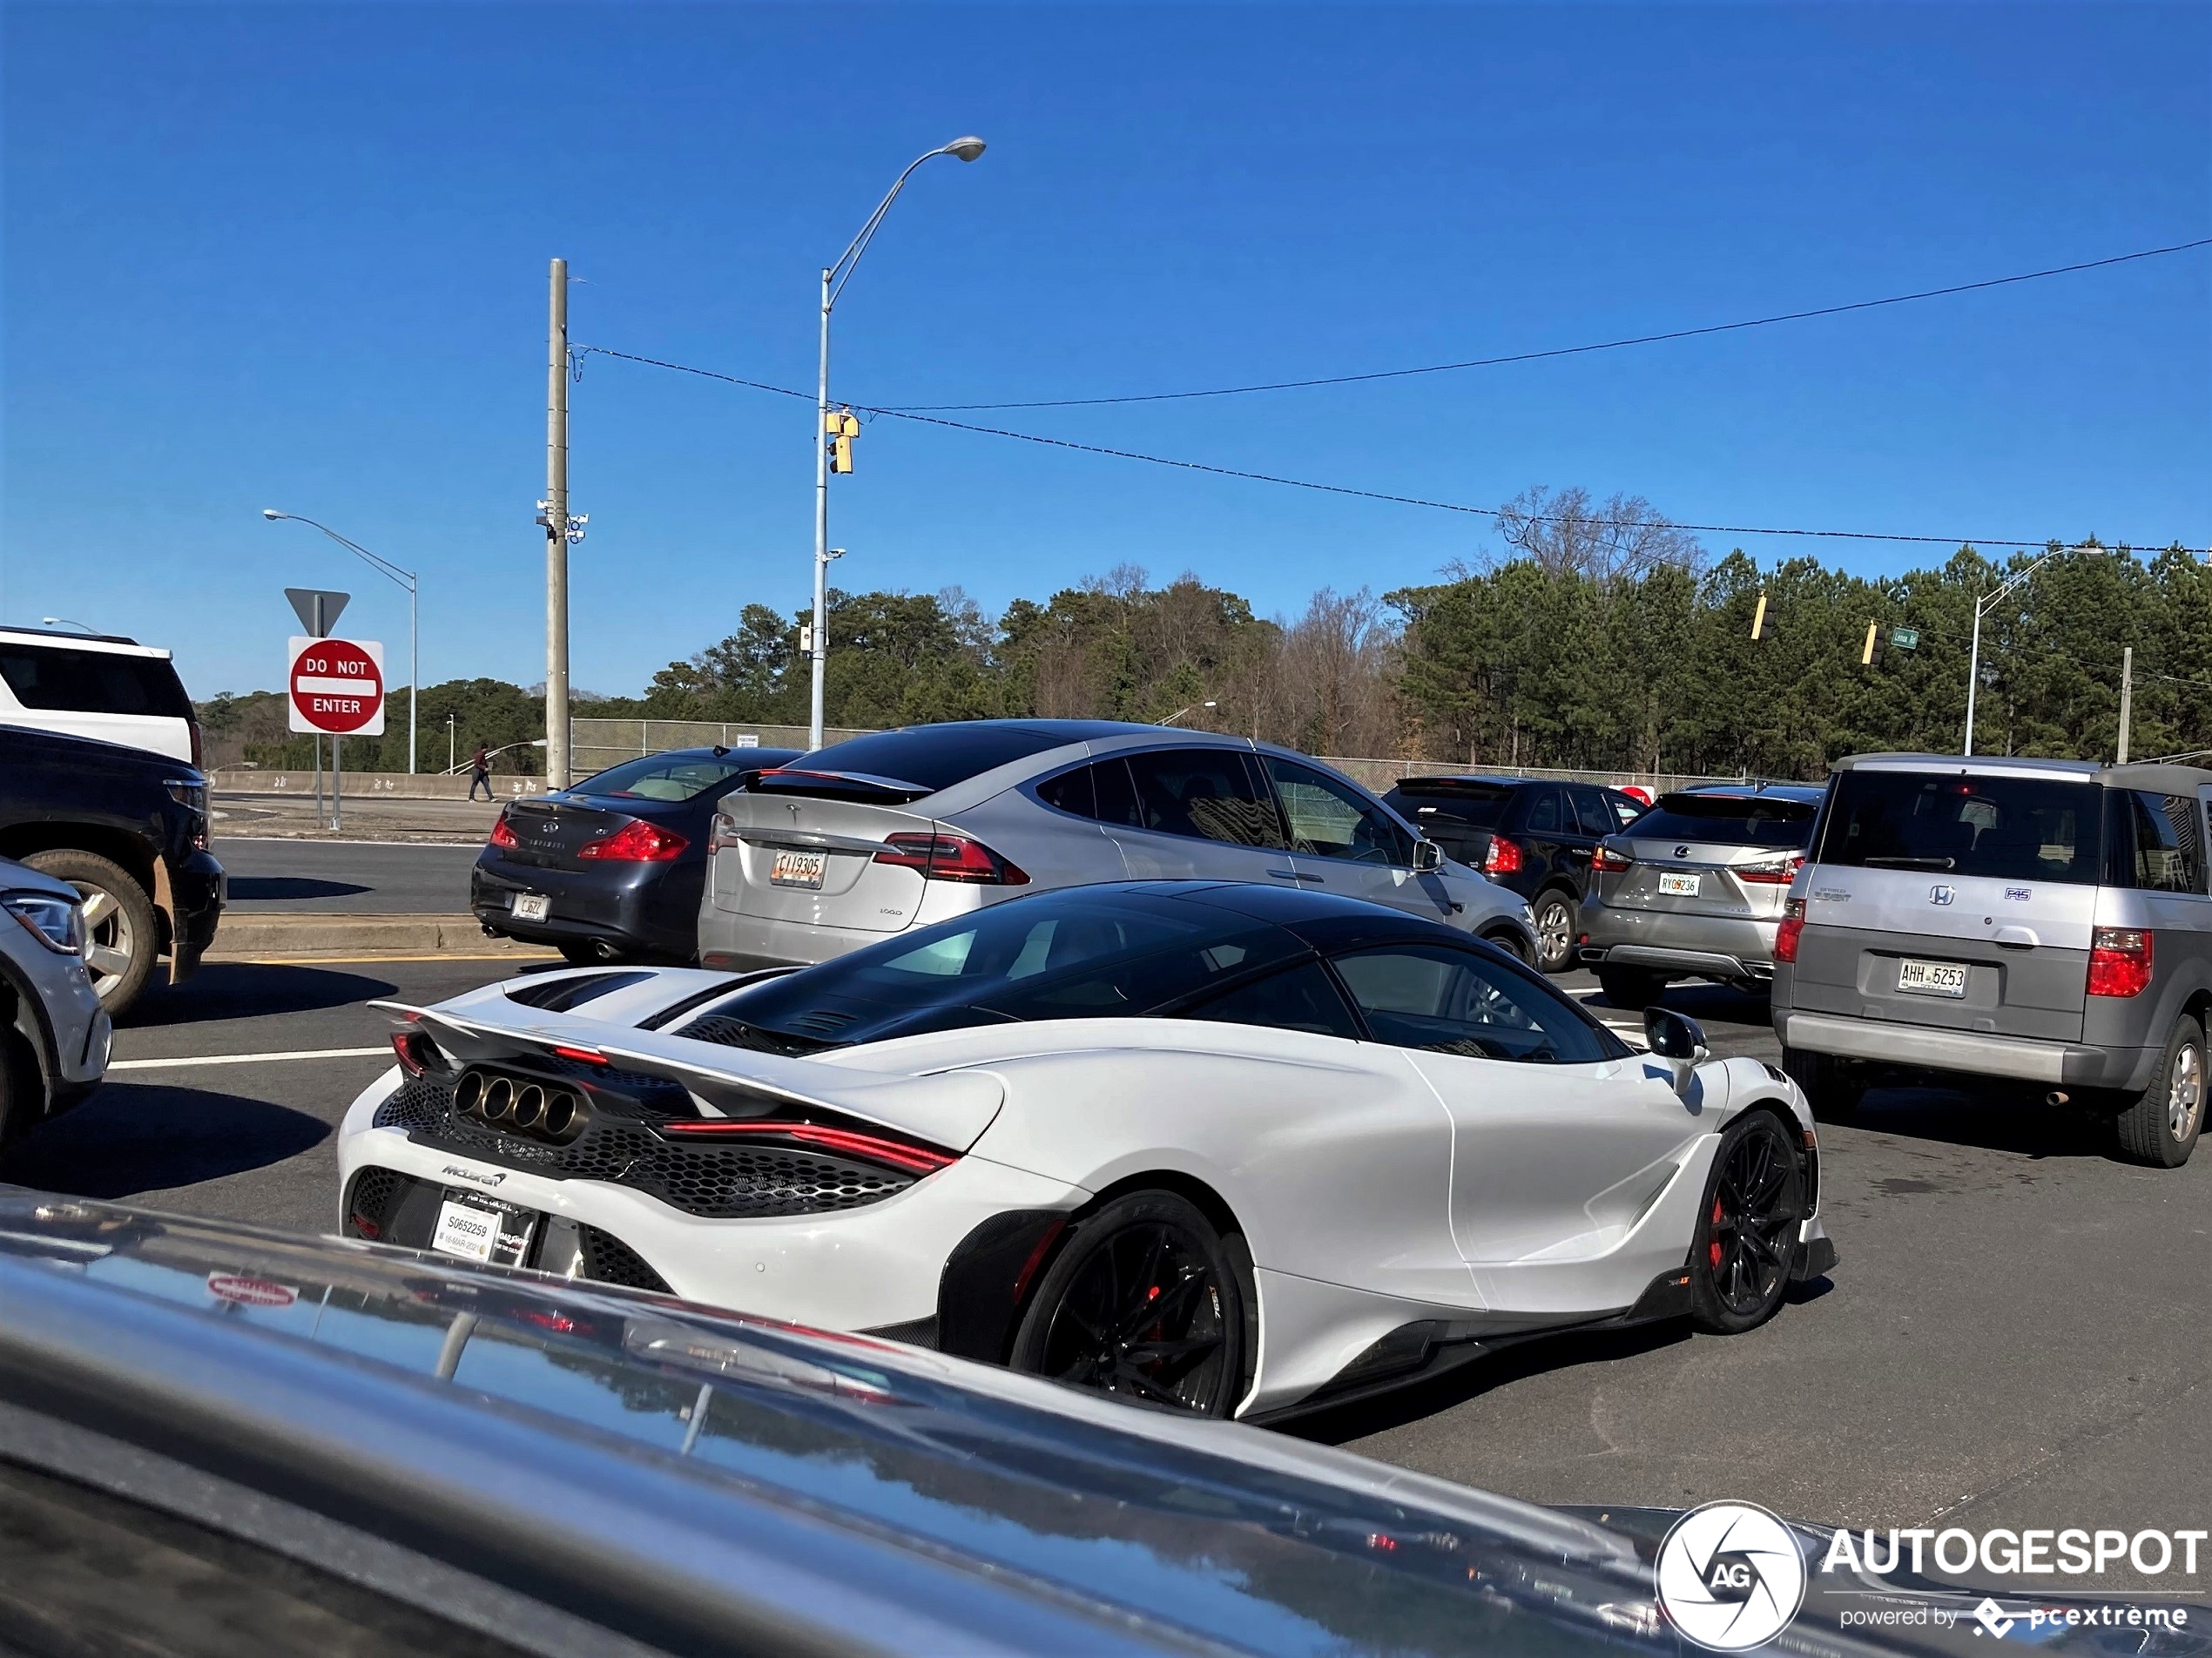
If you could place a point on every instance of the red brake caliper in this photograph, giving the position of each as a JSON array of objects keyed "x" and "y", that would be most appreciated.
[{"x": 1713, "y": 1250}]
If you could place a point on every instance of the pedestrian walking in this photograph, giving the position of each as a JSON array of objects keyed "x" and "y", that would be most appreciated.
[{"x": 480, "y": 771}]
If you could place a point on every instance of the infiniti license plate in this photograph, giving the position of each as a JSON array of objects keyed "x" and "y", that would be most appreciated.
[
  {"x": 479, "y": 1232},
  {"x": 800, "y": 869},
  {"x": 1679, "y": 885},
  {"x": 1932, "y": 978},
  {"x": 532, "y": 906}
]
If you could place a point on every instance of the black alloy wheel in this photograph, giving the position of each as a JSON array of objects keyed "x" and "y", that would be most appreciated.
[
  {"x": 1747, "y": 1233},
  {"x": 1555, "y": 931},
  {"x": 1145, "y": 1300}
]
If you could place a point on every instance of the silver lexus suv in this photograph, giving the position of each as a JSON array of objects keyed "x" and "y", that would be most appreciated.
[
  {"x": 2042, "y": 921},
  {"x": 900, "y": 829}
]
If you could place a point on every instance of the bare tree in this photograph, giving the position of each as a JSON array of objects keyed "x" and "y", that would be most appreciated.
[
  {"x": 1566, "y": 534},
  {"x": 1331, "y": 691}
]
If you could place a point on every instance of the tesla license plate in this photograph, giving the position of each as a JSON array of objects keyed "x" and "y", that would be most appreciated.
[
  {"x": 532, "y": 906},
  {"x": 800, "y": 869},
  {"x": 1679, "y": 886},
  {"x": 1932, "y": 978}
]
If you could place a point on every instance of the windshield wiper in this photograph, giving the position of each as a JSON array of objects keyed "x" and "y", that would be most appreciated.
[{"x": 1910, "y": 863}]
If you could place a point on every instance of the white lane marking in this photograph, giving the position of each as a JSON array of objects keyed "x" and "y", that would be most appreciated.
[{"x": 247, "y": 1059}]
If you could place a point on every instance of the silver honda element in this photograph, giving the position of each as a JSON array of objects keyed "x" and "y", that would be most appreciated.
[
  {"x": 898, "y": 830},
  {"x": 2043, "y": 922}
]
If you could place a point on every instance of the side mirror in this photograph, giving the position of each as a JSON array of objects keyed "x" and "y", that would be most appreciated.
[
  {"x": 1427, "y": 857},
  {"x": 1680, "y": 1041}
]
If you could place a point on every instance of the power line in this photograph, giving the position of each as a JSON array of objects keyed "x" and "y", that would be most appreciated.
[
  {"x": 1307, "y": 483},
  {"x": 1556, "y": 351}
]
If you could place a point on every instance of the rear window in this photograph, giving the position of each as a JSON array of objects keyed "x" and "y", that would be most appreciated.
[
  {"x": 1474, "y": 805},
  {"x": 2003, "y": 827},
  {"x": 93, "y": 682},
  {"x": 911, "y": 763},
  {"x": 658, "y": 776},
  {"x": 1734, "y": 820}
]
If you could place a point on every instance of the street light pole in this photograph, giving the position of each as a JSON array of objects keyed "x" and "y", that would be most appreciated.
[
  {"x": 834, "y": 277},
  {"x": 398, "y": 577},
  {"x": 1981, "y": 606}
]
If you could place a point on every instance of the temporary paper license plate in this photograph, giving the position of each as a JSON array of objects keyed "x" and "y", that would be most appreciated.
[
  {"x": 1932, "y": 978},
  {"x": 800, "y": 869},
  {"x": 1679, "y": 885},
  {"x": 532, "y": 906},
  {"x": 465, "y": 1230}
]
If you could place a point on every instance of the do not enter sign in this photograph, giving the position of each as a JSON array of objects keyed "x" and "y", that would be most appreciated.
[{"x": 337, "y": 686}]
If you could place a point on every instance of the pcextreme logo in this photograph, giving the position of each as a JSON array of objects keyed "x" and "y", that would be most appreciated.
[{"x": 1729, "y": 1576}]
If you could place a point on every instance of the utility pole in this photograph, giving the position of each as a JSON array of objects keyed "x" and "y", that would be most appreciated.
[
  {"x": 555, "y": 519},
  {"x": 2126, "y": 699}
]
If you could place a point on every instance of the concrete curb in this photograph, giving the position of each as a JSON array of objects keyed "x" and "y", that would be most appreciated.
[{"x": 314, "y": 934}]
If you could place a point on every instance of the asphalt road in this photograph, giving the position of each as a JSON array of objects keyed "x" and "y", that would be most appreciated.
[
  {"x": 2016, "y": 1335},
  {"x": 348, "y": 877}
]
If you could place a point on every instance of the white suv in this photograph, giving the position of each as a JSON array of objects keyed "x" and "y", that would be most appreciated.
[{"x": 98, "y": 685}]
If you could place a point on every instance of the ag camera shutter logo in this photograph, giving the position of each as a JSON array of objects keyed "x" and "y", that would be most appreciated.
[{"x": 1730, "y": 1576}]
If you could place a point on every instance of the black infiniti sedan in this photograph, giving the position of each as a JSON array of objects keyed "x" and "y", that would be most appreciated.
[{"x": 612, "y": 869}]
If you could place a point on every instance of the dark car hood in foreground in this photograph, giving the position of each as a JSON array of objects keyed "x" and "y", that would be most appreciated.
[{"x": 704, "y": 1482}]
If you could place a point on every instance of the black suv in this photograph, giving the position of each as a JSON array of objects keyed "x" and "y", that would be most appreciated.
[
  {"x": 1530, "y": 836},
  {"x": 128, "y": 829}
]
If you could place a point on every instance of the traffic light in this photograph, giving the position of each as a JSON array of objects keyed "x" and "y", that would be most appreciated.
[{"x": 841, "y": 426}]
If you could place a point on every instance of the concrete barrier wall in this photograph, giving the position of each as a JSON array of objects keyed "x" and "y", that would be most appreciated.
[{"x": 388, "y": 786}]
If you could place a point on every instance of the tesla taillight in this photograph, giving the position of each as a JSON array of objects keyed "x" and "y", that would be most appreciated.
[
  {"x": 2118, "y": 961},
  {"x": 950, "y": 858},
  {"x": 502, "y": 832},
  {"x": 1606, "y": 860},
  {"x": 1792, "y": 927},
  {"x": 869, "y": 1148},
  {"x": 1503, "y": 858},
  {"x": 1772, "y": 872},
  {"x": 636, "y": 842}
]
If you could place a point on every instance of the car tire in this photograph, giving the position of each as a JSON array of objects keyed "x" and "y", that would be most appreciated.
[
  {"x": 2161, "y": 1129},
  {"x": 1833, "y": 1088},
  {"x": 122, "y": 933},
  {"x": 1635, "y": 988},
  {"x": 1555, "y": 912},
  {"x": 1512, "y": 943},
  {"x": 1747, "y": 1228},
  {"x": 1094, "y": 1308}
]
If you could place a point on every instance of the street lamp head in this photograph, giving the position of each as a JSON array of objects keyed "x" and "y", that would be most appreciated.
[
  {"x": 271, "y": 513},
  {"x": 966, "y": 149}
]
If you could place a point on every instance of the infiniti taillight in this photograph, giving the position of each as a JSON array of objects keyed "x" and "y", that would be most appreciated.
[
  {"x": 950, "y": 858},
  {"x": 502, "y": 832},
  {"x": 1503, "y": 858},
  {"x": 1772, "y": 872},
  {"x": 1793, "y": 926},
  {"x": 2118, "y": 961},
  {"x": 1606, "y": 860},
  {"x": 636, "y": 842}
]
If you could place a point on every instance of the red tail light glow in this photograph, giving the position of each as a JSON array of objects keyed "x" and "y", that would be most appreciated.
[
  {"x": 2118, "y": 961},
  {"x": 581, "y": 1056},
  {"x": 636, "y": 842},
  {"x": 417, "y": 1053},
  {"x": 502, "y": 832},
  {"x": 1772, "y": 872},
  {"x": 1793, "y": 926},
  {"x": 898, "y": 1153},
  {"x": 1606, "y": 860},
  {"x": 950, "y": 858},
  {"x": 1503, "y": 858}
]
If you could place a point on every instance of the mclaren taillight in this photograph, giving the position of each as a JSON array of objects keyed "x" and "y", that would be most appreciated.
[
  {"x": 950, "y": 858},
  {"x": 636, "y": 842},
  {"x": 502, "y": 832},
  {"x": 1772, "y": 872},
  {"x": 1792, "y": 927},
  {"x": 2118, "y": 961},
  {"x": 1503, "y": 858},
  {"x": 417, "y": 1053},
  {"x": 1608, "y": 860},
  {"x": 851, "y": 1143}
]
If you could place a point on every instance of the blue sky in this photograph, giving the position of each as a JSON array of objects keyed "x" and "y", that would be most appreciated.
[{"x": 295, "y": 256}]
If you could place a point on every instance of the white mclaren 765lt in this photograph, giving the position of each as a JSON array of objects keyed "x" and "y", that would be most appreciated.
[{"x": 1222, "y": 1148}]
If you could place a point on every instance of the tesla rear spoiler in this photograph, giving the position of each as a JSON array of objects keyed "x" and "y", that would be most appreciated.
[{"x": 950, "y": 1108}]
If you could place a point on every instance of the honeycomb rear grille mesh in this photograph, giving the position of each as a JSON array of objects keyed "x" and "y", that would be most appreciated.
[
  {"x": 713, "y": 1181},
  {"x": 608, "y": 1260},
  {"x": 735, "y": 1033},
  {"x": 376, "y": 1193}
]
